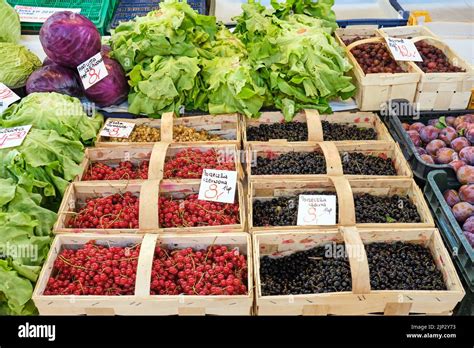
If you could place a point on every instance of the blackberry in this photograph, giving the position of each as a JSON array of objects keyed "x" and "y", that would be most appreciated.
[
  {"x": 402, "y": 266},
  {"x": 291, "y": 163},
  {"x": 292, "y": 131},
  {"x": 305, "y": 272},
  {"x": 338, "y": 132},
  {"x": 383, "y": 209},
  {"x": 356, "y": 163}
]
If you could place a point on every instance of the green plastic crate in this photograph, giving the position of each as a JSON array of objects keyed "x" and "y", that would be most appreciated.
[{"x": 100, "y": 12}]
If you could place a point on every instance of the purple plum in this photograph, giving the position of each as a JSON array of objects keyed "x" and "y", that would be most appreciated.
[
  {"x": 421, "y": 151},
  {"x": 434, "y": 146},
  {"x": 457, "y": 164},
  {"x": 445, "y": 155},
  {"x": 459, "y": 143},
  {"x": 406, "y": 126},
  {"x": 448, "y": 134},
  {"x": 461, "y": 127},
  {"x": 462, "y": 211},
  {"x": 450, "y": 120},
  {"x": 469, "y": 134},
  {"x": 465, "y": 174},
  {"x": 466, "y": 193},
  {"x": 469, "y": 237},
  {"x": 417, "y": 126},
  {"x": 467, "y": 155},
  {"x": 415, "y": 137},
  {"x": 428, "y": 134},
  {"x": 433, "y": 122},
  {"x": 469, "y": 225},
  {"x": 451, "y": 197},
  {"x": 428, "y": 159}
]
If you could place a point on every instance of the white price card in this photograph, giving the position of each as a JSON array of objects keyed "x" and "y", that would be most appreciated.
[
  {"x": 316, "y": 210},
  {"x": 92, "y": 71},
  {"x": 34, "y": 14},
  {"x": 403, "y": 49},
  {"x": 12, "y": 137},
  {"x": 7, "y": 97},
  {"x": 218, "y": 185},
  {"x": 117, "y": 129}
]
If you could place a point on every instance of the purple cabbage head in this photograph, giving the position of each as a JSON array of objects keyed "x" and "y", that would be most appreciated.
[{"x": 54, "y": 78}]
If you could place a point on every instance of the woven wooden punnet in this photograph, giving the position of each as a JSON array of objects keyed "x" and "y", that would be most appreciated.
[
  {"x": 373, "y": 90},
  {"x": 226, "y": 126},
  {"x": 142, "y": 303},
  {"x": 333, "y": 151},
  {"x": 344, "y": 190},
  {"x": 315, "y": 129},
  {"x": 149, "y": 192},
  {"x": 362, "y": 300},
  {"x": 157, "y": 154},
  {"x": 443, "y": 91}
]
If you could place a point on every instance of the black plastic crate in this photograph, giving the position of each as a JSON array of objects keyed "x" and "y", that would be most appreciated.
[
  {"x": 456, "y": 242},
  {"x": 398, "y": 112},
  {"x": 129, "y": 9}
]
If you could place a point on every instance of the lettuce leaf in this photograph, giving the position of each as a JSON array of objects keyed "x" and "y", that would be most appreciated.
[{"x": 10, "y": 26}]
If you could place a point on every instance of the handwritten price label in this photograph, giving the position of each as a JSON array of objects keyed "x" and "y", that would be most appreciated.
[
  {"x": 92, "y": 71},
  {"x": 403, "y": 49},
  {"x": 117, "y": 129},
  {"x": 218, "y": 185},
  {"x": 7, "y": 97},
  {"x": 316, "y": 210},
  {"x": 33, "y": 14},
  {"x": 12, "y": 137}
]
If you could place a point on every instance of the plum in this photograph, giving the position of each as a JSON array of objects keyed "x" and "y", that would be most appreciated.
[
  {"x": 469, "y": 134},
  {"x": 445, "y": 155},
  {"x": 459, "y": 143},
  {"x": 461, "y": 127},
  {"x": 458, "y": 121},
  {"x": 465, "y": 174},
  {"x": 451, "y": 197},
  {"x": 428, "y": 159},
  {"x": 415, "y": 137},
  {"x": 433, "y": 122},
  {"x": 462, "y": 211},
  {"x": 467, "y": 155},
  {"x": 434, "y": 146},
  {"x": 450, "y": 120},
  {"x": 406, "y": 126},
  {"x": 466, "y": 193},
  {"x": 428, "y": 134},
  {"x": 468, "y": 118},
  {"x": 457, "y": 164},
  {"x": 469, "y": 225},
  {"x": 448, "y": 134},
  {"x": 421, "y": 151},
  {"x": 417, "y": 126},
  {"x": 469, "y": 237}
]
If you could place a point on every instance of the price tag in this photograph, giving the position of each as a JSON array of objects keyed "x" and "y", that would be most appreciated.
[
  {"x": 117, "y": 129},
  {"x": 34, "y": 14},
  {"x": 218, "y": 185},
  {"x": 403, "y": 49},
  {"x": 92, "y": 71},
  {"x": 12, "y": 137},
  {"x": 7, "y": 97},
  {"x": 316, "y": 210}
]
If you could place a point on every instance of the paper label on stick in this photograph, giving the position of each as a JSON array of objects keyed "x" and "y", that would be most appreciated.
[
  {"x": 403, "y": 49},
  {"x": 12, "y": 137},
  {"x": 218, "y": 185},
  {"x": 117, "y": 129},
  {"x": 7, "y": 97},
  {"x": 34, "y": 14},
  {"x": 92, "y": 71},
  {"x": 316, "y": 210}
]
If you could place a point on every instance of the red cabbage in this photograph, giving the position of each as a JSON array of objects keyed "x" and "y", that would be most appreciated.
[
  {"x": 69, "y": 39},
  {"x": 54, "y": 78},
  {"x": 113, "y": 89}
]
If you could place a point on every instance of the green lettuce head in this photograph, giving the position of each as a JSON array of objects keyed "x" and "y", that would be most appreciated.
[
  {"x": 10, "y": 27},
  {"x": 18, "y": 63}
]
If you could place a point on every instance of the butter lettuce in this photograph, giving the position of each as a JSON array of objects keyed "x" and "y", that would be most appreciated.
[
  {"x": 17, "y": 64},
  {"x": 10, "y": 26}
]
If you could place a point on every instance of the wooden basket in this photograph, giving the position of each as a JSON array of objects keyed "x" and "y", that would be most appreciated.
[
  {"x": 142, "y": 303},
  {"x": 362, "y": 300},
  {"x": 331, "y": 152},
  {"x": 407, "y": 32},
  {"x": 345, "y": 190},
  {"x": 157, "y": 154},
  {"x": 226, "y": 126},
  {"x": 149, "y": 192},
  {"x": 315, "y": 129},
  {"x": 444, "y": 91},
  {"x": 374, "y": 90}
]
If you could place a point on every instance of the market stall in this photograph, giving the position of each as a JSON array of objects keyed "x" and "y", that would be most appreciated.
[{"x": 156, "y": 162}]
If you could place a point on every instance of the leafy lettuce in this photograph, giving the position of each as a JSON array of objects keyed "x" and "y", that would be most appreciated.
[{"x": 10, "y": 27}]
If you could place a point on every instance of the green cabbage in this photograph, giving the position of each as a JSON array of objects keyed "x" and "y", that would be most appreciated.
[
  {"x": 10, "y": 26},
  {"x": 17, "y": 64}
]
